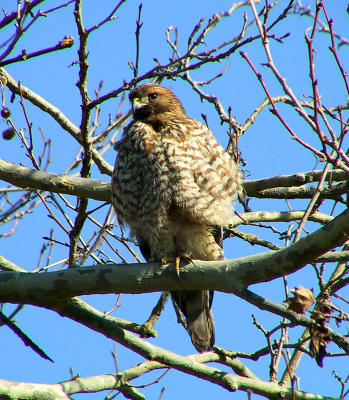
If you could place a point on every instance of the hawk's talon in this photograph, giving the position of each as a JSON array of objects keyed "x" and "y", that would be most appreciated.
[
  {"x": 177, "y": 260},
  {"x": 177, "y": 266}
]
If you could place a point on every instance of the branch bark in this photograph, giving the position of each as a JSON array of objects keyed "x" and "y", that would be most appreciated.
[
  {"x": 100, "y": 190},
  {"x": 81, "y": 312},
  {"x": 28, "y": 178},
  {"x": 276, "y": 216},
  {"x": 231, "y": 276},
  {"x": 226, "y": 275}
]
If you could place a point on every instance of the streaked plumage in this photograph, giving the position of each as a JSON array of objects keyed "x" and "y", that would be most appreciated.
[{"x": 173, "y": 184}]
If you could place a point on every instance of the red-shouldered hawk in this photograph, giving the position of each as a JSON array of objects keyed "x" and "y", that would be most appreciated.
[{"x": 174, "y": 185}]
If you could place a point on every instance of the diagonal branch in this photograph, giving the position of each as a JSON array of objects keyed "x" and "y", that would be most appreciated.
[
  {"x": 231, "y": 276},
  {"x": 225, "y": 275},
  {"x": 55, "y": 113},
  {"x": 81, "y": 312},
  {"x": 91, "y": 317},
  {"x": 24, "y": 56}
]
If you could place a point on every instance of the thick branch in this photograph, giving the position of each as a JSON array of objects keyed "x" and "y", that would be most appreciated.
[
  {"x": 100, "y": 190},
  {"x": 28, "y": 178},
  {"x": 303, "y": 192},
  {"x": 277, "y": 216},
  {"x": 298, "y": 179},
  {"x": 87, "y": 315},
  {"x": 91, "y": 317},
  {"x": 225, "y": 275},
  {"x": 81, "y": 312},
  {"x": 21, "y": 390},
  {"x": 108, "y": 381}
]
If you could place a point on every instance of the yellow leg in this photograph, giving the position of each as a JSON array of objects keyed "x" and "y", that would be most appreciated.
[
  {"x": 182, "y": 257},
  {"x": 177, "y": 261}
]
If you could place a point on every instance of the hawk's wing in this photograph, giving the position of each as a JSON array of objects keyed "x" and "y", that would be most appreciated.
[{"x": 208, "y": 180}]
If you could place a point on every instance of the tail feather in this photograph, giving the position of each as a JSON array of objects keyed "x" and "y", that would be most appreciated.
[{"x": 195, "y": 306}]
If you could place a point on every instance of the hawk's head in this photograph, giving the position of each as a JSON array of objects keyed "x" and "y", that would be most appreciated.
[{"x": 154, "y": 104}]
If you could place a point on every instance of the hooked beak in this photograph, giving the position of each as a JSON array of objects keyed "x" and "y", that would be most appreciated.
[{"x": 137, "y": 104}]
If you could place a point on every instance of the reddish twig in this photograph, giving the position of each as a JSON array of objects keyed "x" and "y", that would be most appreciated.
[
  {"x": 276, "y": 111},
  {"x": 66, "y": 42}
]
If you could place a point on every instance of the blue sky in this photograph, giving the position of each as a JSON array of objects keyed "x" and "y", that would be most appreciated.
[{"x": 266, "y": 148}]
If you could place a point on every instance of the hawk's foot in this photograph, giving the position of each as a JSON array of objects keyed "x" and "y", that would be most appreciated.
[{"x": 184, "y": 257}]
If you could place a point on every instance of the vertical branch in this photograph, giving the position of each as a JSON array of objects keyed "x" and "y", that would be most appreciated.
[
  {"x": 313, "y": 122},
  {"x": 137, "y": 33},
  {"x": 316, "y": 98},
  {"x": 85, "y": 134},
  {"x": 272, "y": 370},
  {"x": 333, "y": 49},
  {"x": 82, "y": 85},
  {"x": 84, "y": 131},
  {"x": 276, "y": 73},
  {"x": 21, "y": 13},
  {"x": 325, "y": 290},
  {"x": 29, "y": 147},
  {"x": 233, "y": 145},
  {"x": 312, "y": 202},
  {"x": 275, "y": 111}
]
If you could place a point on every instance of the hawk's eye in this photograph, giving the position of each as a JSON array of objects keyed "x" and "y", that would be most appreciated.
[{"x": 153, "y": 96}]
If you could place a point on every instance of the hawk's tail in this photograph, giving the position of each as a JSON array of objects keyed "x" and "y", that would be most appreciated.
[{"x": 196, "y": 308}]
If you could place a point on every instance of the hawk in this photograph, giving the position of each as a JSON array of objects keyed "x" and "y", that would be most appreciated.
[{"x": 174, "y": 186}]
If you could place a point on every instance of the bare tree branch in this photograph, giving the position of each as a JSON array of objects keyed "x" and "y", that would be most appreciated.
[
  {"x": 100, "y": 190},
  {"x": 55, "y": 113}
]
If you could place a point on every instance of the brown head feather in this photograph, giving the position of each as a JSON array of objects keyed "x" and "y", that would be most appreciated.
[{"x": 156, "y": 104}]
